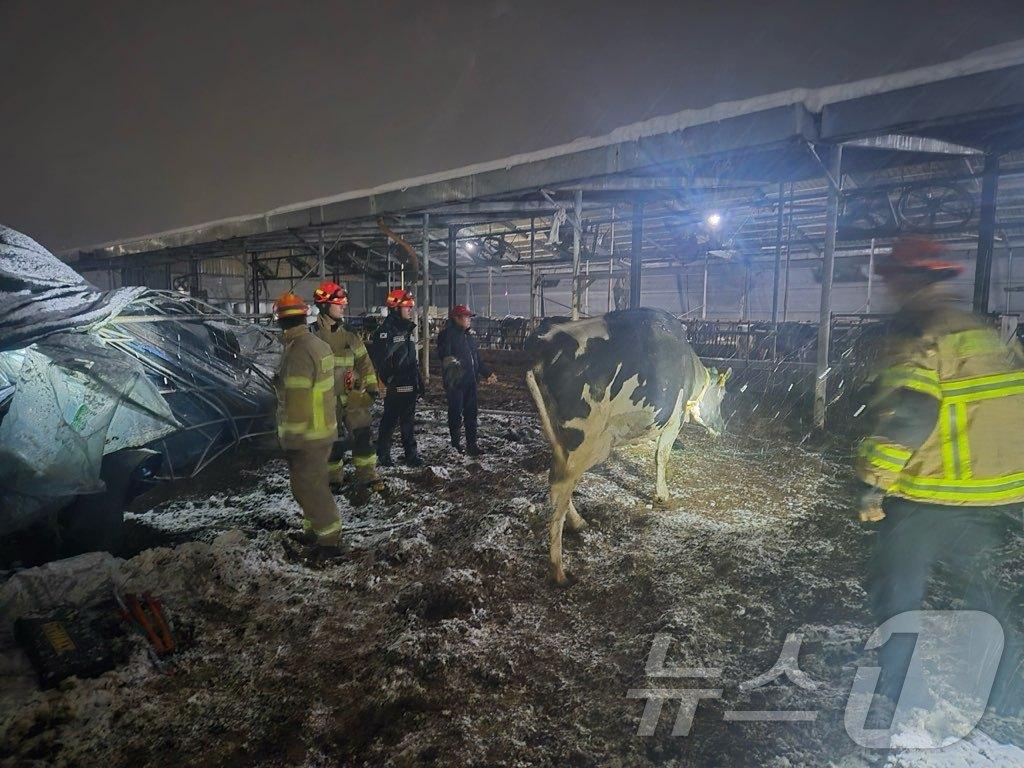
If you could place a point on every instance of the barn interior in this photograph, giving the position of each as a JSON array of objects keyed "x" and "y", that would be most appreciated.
[
  {"x": 757, "y": 229},
  {"x": 437, "y": 641}
]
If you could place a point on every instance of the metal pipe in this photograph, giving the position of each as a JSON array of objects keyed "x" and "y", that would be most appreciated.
[
  {"x": 611, "y": 261},
  {"x": 986, "y": 234},
  {"x": 745, "y": 300},
  {"x": 533, "y": 273},
  {"x": 778, "y": 254},
  {"x": 322, "y": 257},
  {"x": 704, "y": 296},
  {"x": 834, "y": 171},
  {"x": 586, "y": 289},
  {"x": 577, "y": 235},
  {"x": 636, "y": 255},
  {"x": 425, "y": 299},
  {"x": 254, "y": 266},
  {"x": 789, "y": 255},
  {"x": 1009, "y": 275},
  {"x": 871, "y": 276},
  {"x": 453, "y": 233}
]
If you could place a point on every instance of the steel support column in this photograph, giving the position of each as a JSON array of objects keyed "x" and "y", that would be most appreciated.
[
  {"x": 533, "y": 272},
  {"x": 778, "y": 253},
  {"x": 452, "y": 234},
  {"x": 194, "y": 281},
  {"x": 366, "y": 291},
  {"x": 425, "y": 299},
  {"x": 254, "y": 266},
  {"x": 490, "y": 292},
  {"x": 246, "y": 282},
  {"x": 577, "y": 235},
  {"x": 704, "y": 290},
  {"x": 611, "y": 262},
  {"x": 986, "y": 234},
  {"x": 636, "y": 255},
  {"x": 322, "y": 258},
  {"x": 871, "y": 277},
  {"x": 834, "y": 171},
  {"x": 789, "y": 253}
]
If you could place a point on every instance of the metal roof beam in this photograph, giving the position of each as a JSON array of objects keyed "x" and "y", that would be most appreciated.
[{"x": 901, "y": 143}]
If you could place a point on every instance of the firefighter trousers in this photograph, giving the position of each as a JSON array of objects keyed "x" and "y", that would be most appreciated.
[
  {"x": 308, "y": 473},
  {"x": 965, "y": 547},
  {"x": 400, "y": 410},
  {"x": 462, "y": 410},
  {"x": 355, "y": 417}
]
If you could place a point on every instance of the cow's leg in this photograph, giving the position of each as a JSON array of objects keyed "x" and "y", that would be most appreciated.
[
  {"x": 561, "y": 498},
  {"x": 665, "y": 441},
  {"x": 590, "y": 454},
  {"x": 574, "y": 519}
]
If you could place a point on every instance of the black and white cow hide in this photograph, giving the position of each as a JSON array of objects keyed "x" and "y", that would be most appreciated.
[{"x": 609, "y": 381}]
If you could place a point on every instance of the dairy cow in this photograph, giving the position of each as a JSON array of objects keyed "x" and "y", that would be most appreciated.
[{"x": 609, "y": 381}]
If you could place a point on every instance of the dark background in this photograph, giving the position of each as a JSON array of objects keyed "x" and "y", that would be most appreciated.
[{"x": 120, "y": 119}]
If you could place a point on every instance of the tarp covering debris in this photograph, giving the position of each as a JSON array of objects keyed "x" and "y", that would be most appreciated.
[
  {"x": 40, "y": 295},
  {"x": 86, "y": 373},
  {"x": 75, "y": 401}
]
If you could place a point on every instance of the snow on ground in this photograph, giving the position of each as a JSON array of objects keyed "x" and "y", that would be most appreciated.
[{"x": 438, "y": 641}]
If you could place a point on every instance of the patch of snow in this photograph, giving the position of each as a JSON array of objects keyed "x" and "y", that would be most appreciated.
[{"x": 976, "y": 751}]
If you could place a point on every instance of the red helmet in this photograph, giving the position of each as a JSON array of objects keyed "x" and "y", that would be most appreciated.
[
  {"x": 460, "y": 310},
  {"x": 917, "y": 257},
  {"x": 290, "y": 305},
  {"x": 330, "y": 293},
  {"x": 400, "y": 298}
]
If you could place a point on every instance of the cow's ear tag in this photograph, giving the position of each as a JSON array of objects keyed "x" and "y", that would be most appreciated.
[{"x": 727, "y": 375}]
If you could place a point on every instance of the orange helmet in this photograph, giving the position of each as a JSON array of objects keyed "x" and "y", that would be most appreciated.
[
  {"x": 917, "y": 257},
  {"x": 290, "y": 305},
  {"x": 330, "y": 293},
  {"x": 400, "y": 298},
  {"x": 461, "y": 310}
]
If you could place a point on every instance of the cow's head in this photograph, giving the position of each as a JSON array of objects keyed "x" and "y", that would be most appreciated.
[{"x": 707, "y": 409}]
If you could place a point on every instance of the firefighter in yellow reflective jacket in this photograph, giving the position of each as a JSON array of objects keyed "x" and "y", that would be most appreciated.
[
  {"x": 355, "y": 389},
  {"x": 944, "y": 461},
  {"x": 306, "y": 422}
]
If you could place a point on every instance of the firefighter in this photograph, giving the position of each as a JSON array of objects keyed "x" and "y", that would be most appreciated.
[
  {"x": 355, "y": 389},
  {"x": 306, "y": 422},
  {"x": 944, "y": 462},
  {"x": 462, "y": 368},
  {"x": 393, "y": 350}
]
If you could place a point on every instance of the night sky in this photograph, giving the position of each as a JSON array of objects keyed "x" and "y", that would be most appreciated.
[{"x": 126, "y": 118}]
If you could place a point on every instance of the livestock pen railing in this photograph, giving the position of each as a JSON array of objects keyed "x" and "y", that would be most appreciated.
[
  {"x": 720, "y": 339},
  {"x": 774, "y": 365}
]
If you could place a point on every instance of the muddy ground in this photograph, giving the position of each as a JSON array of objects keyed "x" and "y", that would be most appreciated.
[{"x": 440, "y": 642}]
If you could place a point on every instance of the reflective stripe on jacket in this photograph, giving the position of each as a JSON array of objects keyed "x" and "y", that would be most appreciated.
[
  {"x": 305, "y": 391},
  {"x": 973, "y": 452},
  {"x": 349, "y": 355}
]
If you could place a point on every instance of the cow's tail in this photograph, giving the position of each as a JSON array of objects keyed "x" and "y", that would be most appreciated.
[{"x": 545, "y": 418}]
